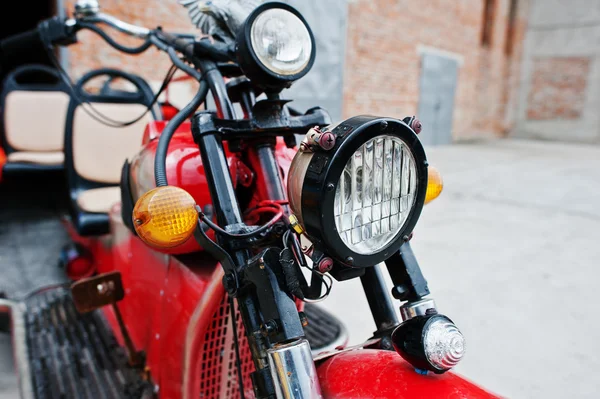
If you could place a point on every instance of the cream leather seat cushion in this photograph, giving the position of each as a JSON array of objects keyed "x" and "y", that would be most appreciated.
[
  {"x": 99, "y": 150},
  {"x": 35, "y": 120},
  {"x": 38, "y": 158},
  {"x": 99, "y": 200}
]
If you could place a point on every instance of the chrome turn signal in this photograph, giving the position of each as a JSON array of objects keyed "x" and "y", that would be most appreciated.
[{"x": 430, "y": 342}]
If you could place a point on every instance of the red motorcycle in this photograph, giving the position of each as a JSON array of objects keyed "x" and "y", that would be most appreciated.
[{"x": 202, "y": 276}]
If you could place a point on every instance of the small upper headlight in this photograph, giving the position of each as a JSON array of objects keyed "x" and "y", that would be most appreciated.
[
  {"x": 359, "y": 188},
  {"x": 275, "y": 46},
  {"x": 281, "y": 41}
]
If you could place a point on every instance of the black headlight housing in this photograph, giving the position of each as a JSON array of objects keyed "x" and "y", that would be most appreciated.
[
  {"x": 249, "y": 62},
  {"x": 314, "y": 176}
]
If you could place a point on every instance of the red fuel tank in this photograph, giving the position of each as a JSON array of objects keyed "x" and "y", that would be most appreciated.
[{"x": 185, "y": 169}]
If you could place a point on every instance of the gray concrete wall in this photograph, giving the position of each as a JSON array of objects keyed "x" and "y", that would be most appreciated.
[{"x": 559, "y": 28}]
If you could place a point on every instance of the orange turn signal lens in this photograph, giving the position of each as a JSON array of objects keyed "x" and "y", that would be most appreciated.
[
  {"x": 165, "y": 217},
  {"x": 435, "y": 184}
]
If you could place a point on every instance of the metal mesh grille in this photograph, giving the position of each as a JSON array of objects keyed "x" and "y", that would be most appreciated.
[
  {"x": 218, "y": 377},
  {"x": 375, "y": 194}
]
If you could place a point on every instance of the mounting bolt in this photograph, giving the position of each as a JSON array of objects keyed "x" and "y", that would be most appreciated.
[
  {"x": 303, "y": 319},
  {"x": 430, "y": 311},
  {"x": 383, "y": 125},
  {"x": 229, "y": 283},
  {"x": 349, "y": 260},
  {"x": 330, "y": 186},
  {"x": 327, "y": 141},
  {"x": 270, "y": 327},
  {"x": 416, "y": 125},
  {"x": 400, "y": 292},
  {"x": 325, "y": 264}
]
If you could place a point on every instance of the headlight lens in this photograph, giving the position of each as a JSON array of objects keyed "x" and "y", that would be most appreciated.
[
  {"x": 375, "y": 194},
  {"x": 358, "y": 187},
  {"x": 275, "y": 46},
  {"x": 281, "y": 41}
]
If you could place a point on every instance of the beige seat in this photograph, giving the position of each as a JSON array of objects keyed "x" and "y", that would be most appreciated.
[
  {"x": 33, "y": 110},
  {"x": 39, "y": 158},
  {"x": 99, "y": 151},
  {"x": 95, "y": 152},
  {"x": 99, "y": 200}
]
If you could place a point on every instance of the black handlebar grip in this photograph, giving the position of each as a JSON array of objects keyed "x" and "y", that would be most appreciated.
[{"x": 21, "y": 48}]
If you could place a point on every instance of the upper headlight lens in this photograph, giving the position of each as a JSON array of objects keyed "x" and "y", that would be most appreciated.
[
  {"x": 375, "y": 194},
  {"x": 281, "y": 41}
]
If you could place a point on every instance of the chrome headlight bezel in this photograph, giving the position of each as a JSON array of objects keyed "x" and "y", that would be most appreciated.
[
  {"x": 314, "y": 176},
  {"x": 259, "y": 73}
]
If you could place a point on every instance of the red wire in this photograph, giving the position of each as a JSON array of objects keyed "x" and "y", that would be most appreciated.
[{"x": 264, "y": 207}]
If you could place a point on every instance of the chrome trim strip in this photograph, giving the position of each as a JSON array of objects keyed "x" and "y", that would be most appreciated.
[{"x": 17, "y": 312}]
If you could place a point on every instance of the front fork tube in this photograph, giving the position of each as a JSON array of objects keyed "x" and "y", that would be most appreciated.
[
  {"x": 269, "y": 323},
  {"x": 409, "y": 286}
]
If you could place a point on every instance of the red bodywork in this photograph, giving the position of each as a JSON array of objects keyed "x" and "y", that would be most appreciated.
[{"x": 176, "y": 310}]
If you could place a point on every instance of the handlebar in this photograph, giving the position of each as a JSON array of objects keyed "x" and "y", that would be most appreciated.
[{"x": 121, "y": 26}]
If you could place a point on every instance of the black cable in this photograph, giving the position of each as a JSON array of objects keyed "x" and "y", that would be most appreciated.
[
  {"x": 93, "y": 112},
  {"x": 160, "y": 158},
  {"x": 236, "y": 344},
  {"x": 182, "y": 65},
  {"x": 129, "y": 50},
  {"x": 253, "y": 233},
  {"x": 328, "y": 285}
]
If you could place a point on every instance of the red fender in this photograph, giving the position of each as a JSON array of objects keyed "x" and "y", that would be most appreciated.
[{"x": 369, "y": 373}]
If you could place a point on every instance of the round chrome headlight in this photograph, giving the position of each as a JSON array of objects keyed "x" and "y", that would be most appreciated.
[
  {"x": 275, "y": 46},
  {"x": 358, "y": 188}
]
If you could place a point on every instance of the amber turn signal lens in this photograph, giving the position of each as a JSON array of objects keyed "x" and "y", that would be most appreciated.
[
  {"x": 435, "y": 184},
  {"x": 165, "y": 217}
]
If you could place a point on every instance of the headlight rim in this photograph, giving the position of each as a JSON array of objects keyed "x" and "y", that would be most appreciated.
[
  {"x": 253, "y": 67},
  {"x": 317, "y": 221}
]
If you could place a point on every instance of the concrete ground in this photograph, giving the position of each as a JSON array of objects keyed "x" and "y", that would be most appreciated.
[{"x": 511, "y": 253}]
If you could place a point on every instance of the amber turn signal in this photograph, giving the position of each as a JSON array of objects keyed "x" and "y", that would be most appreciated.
[
  {"x": 165, "y": 217},
  {"x": 435, "y": 184}
]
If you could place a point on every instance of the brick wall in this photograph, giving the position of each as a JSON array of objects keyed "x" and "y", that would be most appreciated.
[
  {"x": 557, "y": 89},
  {"x": 92, "y": 52},
  {"x": 383, "y": 63},
  {"x": 382, "y": 59}
]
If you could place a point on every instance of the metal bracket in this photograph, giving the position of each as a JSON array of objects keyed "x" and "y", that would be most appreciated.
[
  {"x": 278, "y": 308},
  {"x": 409, "y": 282},
  {"x": 106, "y": 289},
  {"x": 269, "y": 118}
]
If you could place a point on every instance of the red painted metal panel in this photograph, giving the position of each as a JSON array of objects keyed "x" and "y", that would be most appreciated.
[{"x": 370, "y": 373}]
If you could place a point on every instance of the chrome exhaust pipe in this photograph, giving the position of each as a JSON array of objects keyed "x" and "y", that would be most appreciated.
[{"x": 293, "y": 371}]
